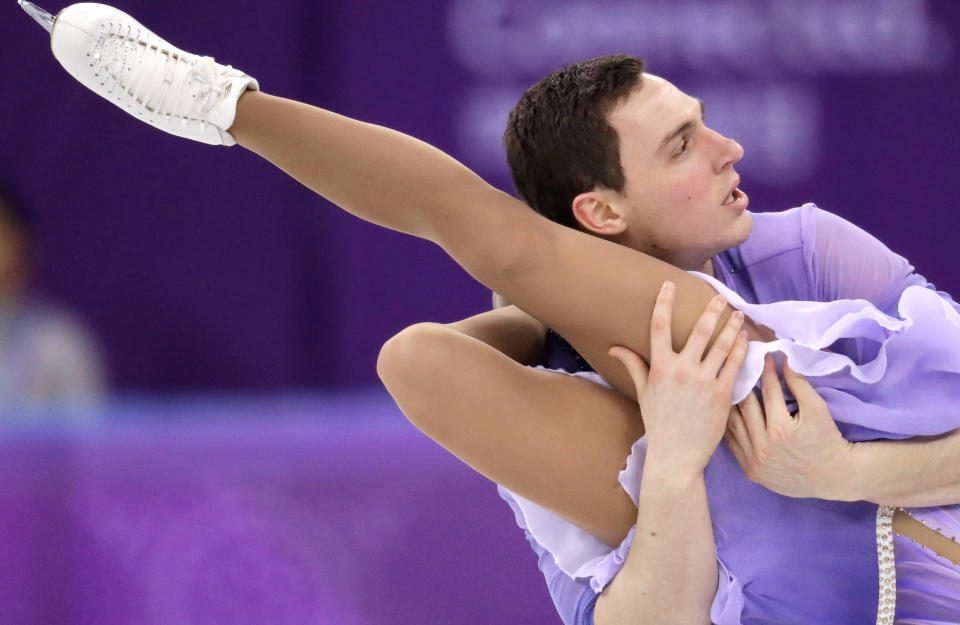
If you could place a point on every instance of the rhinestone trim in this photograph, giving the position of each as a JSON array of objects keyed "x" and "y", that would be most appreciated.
[{"x": 887, "y": 602}]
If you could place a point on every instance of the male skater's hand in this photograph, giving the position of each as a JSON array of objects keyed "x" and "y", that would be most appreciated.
[
  {"x": 685, "y": 398},
  {"x": 797, "y": 456}
]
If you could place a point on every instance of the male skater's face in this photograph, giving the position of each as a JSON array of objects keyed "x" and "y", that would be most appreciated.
[{"x": 679, "y": 177}]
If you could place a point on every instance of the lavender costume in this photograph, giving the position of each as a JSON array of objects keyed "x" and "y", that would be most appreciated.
[{"x": 822, "y": 282}]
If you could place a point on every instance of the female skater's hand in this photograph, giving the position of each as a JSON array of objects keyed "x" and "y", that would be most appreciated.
[
  {"x": 685, "y": 397},
  {"x": 801, "y": 456}
]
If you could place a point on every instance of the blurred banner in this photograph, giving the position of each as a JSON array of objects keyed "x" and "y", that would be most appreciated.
[
  {"x": 205, "y": 268},
  {"x": 316, "y": 510}
]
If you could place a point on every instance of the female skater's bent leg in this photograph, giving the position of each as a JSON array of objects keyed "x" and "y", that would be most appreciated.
[
  {"x": 593, "y": 292},
  {"x": 555, "y": 439}
]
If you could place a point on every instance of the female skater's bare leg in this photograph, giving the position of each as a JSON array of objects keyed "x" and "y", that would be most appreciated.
[
  {"x": 553, "y": 438},
  {"x": 593, "y": 292}
]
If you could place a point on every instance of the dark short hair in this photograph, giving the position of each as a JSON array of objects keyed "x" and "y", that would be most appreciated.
[{"x": 558, "y": 140}]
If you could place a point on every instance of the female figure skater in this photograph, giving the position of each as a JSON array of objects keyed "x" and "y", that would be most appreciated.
[{"x": 593, "y": 293}]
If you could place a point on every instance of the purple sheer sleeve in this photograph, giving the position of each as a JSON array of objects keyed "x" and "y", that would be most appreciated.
[{"x": 850, "y": 263}]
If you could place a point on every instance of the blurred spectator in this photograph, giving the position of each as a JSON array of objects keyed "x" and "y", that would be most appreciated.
[{"x": 46, "y": 356}]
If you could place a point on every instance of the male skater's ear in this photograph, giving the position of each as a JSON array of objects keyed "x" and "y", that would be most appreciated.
[{"x": 597, "y": 214}]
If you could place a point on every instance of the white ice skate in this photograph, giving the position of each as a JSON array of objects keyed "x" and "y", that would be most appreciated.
[{"x": 119, "y": 59}]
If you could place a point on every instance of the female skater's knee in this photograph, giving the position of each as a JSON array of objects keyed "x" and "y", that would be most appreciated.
[{"x": 411, "y": 361}]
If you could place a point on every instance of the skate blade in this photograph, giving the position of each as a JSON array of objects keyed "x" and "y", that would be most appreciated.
[{"x": 39, "y": 15}]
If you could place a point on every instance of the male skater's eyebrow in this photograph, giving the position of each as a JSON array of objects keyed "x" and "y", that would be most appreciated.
[{"x": 682, "y": 128}]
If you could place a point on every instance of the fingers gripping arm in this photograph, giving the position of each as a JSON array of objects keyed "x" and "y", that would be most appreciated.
[
  {"x": 806, "y": 456},
  {"x": 670, "y": 574},
  {"x": 525, "y": 418}
]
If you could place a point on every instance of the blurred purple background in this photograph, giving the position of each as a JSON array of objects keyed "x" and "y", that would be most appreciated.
[
  {"x": 309, "y": 510},
  {"x": 205, "y": 271}
]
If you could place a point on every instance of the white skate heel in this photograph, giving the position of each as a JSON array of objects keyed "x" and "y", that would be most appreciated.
[{"x": 119, "y": 59}]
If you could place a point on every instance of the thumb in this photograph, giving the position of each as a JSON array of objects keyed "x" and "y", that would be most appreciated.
[
  {"x": 635, "y": 366},
  {"x": 808, "y": 399}
]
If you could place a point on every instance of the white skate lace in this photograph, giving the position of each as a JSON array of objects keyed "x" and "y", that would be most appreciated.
[{"x": 162, "y": 79}]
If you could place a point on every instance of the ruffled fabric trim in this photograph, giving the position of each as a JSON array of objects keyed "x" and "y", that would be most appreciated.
[
  {"x": 917, "y": 350},
  {"x": 581, "y": 556},
  {"x": 806, "y": 328},
  {"x": 576, "y": 552},
  {"x": 607, "y": 568},
  {"x": 728, "y": 602}
]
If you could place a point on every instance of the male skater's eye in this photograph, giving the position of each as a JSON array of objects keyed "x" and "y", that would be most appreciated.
[{"x": 683, "y": 147}]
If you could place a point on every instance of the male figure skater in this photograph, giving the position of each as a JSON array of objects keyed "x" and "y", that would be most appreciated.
[{"x": 582, "y": 154}]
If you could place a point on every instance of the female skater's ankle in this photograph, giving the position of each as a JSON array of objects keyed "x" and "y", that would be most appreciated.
[{"x": 245, "y": 106}]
